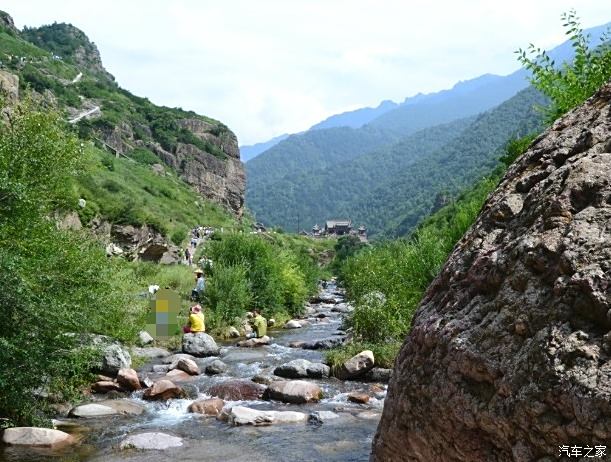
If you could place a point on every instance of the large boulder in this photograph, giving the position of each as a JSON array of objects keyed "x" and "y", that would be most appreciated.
[
  {"x": 92, "y": 410},
  {"x": 163, "y": 390},
  {"x": 355, "y": 367},
  {"x": 36, "y": 437},
  {"x": 152, "y": 440},
  {"x": 115, "y": 357},
  {"x": 294, "y": 392},
  {"x": 292, "y": 324},
  {"x": 237, "y": 390},
  {"x": 302, "y": 369},
  {"x": 144, "y": 338},
  {"x": 199, "y": 344},
  {"x": 509, "y": 352}
]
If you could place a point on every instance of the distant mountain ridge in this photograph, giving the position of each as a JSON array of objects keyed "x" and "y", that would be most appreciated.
[
  {"x": 298, "y": 176},
  {"x": 251, "y": 151}
]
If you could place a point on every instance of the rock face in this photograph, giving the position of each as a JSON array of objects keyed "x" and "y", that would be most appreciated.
[
  {"x": 200, "y": 344},
  {"x": 509, "y": 354}
]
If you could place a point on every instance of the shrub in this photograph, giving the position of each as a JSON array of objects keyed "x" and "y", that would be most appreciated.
[
  {"x": 53, "y": 282},
  {"x": 568, "y": 85},
  {"x": 228, "y": 293},
  {"x": 179, "y": 235}
]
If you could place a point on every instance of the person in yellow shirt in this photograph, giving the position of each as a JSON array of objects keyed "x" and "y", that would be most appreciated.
[{"x": 196, "y": 321}]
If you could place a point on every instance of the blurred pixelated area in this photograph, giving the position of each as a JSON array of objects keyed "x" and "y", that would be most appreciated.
[{"x": 162, "y": 318}]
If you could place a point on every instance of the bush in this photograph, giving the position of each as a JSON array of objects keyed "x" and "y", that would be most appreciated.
[
  {"x": 179, "y": 235},
  {"x": 228, "y": 293},
  {"x": 273, "y": 276},
  {"x": 569, "y": 85},
  {"x": 53, "y": 282}
]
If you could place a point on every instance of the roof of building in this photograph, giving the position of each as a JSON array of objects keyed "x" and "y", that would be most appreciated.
[{"x": 334, "y": 223}]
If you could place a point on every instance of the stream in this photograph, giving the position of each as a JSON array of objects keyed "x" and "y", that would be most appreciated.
[{"x": 346, "y": 438}]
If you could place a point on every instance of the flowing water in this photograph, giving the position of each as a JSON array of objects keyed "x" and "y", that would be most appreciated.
[{"x": 347, "y": 438}]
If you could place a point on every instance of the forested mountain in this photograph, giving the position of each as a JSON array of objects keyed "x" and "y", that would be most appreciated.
[
  {"x": 392, "y": 187},
  {"x": 251, "y": 151},
  {"x": 315, "y": 175}
]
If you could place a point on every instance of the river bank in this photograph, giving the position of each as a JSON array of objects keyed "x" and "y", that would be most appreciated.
[{"x": 334, "y": 428}]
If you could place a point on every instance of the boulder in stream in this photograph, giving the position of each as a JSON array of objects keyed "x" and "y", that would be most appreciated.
[
  {"x": 254, "y": 342},
  {"x": 320, "y": 417},
  {"x": 358, "y": 397},
  {"x": 92, "y": 410},
  {"x": 302, "y": 369},
  {"x": 292, "y": 324},
  {"x": 293, "y": 391},
  {"x": 187, "y": 365},
  {"x": 115, "y": 357},
  {"x": 210, "y": 407},
  {"x": 216, "y": 367},
  {"x": 199, "y": 344},
  {"x": 163, "y": 390},
  {"x": 144, "y": 338},
  {"x": 355, "y": 367},
  {"x": 36, "y": 437},
  {"x": 178, "y": 376},
  {"x": 237, "y": 390},
  {"x": 152, "y": 440},
  {"x": 240, "y": 415},
  {"x": 105, "y": 386},
  {"x": 128, "y": 379}
]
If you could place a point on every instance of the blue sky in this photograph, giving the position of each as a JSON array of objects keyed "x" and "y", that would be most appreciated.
[{"x": 267, "y": 67}]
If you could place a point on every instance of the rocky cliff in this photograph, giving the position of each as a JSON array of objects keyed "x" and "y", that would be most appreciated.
[
  {"x": 67, "y": 65},
  {"x": 510, "y": 351}
]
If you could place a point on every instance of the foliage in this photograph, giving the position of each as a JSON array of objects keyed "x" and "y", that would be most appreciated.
[
  {"x": 390, "y": 188},
  {"x": 345, "y": 247},
  {"x": 257, "y": 271},
  {"x": 569, "y": 84},
  {"x": 228, "y": 293},
  {"x": 53, "y": 282}
]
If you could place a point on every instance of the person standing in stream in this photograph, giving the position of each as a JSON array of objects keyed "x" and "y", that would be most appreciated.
[{"x": 259, "y": 325}]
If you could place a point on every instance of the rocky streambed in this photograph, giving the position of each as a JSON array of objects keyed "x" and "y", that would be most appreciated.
[{"x": 272, "y": 402}]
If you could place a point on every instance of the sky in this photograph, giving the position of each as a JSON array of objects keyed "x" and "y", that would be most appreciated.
[{"x": 268, "y": 67}]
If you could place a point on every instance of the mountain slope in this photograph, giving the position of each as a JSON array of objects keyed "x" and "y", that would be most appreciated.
[
  {"x": 391, "y": 188},
  {"x": 321, "y": 193},
  {"x": 153, "y": 170},
  {"x": 59, "y": 62}
]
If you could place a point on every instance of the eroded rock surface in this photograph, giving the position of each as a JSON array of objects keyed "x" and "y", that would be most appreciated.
[{"x": 509, "y": 355}]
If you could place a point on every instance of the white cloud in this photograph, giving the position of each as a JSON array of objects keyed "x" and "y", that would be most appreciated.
[{"x": 272, "y": 66}]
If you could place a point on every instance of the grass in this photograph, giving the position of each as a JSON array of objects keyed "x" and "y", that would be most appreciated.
[{"x": 126, "y": 192}]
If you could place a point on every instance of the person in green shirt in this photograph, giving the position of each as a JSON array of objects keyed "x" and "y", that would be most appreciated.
[{"x": 259, "y": 325}]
